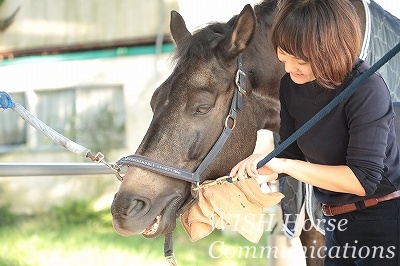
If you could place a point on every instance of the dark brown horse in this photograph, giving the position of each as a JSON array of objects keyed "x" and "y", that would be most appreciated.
[
  {"x": 190, "y": 112},
  {"x": 190, "y": 109}
]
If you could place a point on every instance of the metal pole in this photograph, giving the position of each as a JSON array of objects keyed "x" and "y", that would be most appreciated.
[{"x": 52, "y": 169}]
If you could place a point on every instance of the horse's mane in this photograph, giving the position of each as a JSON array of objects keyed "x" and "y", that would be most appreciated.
[
  {"x": 265, "y": 9},
  {"x": 201, "y": 43}
]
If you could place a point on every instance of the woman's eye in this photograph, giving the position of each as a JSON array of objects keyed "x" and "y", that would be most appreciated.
[{"x": 202, "y": 109}]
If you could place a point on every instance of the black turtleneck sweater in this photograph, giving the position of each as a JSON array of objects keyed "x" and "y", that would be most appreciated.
[{"x": 358, "y": 132}]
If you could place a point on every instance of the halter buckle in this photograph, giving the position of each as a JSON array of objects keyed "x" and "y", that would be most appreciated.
[{"x": 239, "y": 74}]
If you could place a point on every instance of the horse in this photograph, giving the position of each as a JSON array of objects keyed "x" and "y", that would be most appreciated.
[{"x": 192, "y": 111}]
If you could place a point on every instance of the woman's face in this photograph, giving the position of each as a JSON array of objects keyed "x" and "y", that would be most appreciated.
[{"x": 299, "y": 70}]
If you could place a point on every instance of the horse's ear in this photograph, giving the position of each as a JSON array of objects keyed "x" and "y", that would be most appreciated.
[
  {"x": 241, "y": 34},
  {"x": 178, "y": 27}
]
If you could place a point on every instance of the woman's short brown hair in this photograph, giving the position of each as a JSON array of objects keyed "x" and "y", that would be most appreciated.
[{"x": 325, "y": 33}]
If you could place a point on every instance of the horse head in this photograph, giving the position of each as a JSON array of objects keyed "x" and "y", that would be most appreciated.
[{"x": 190, "y": 111}]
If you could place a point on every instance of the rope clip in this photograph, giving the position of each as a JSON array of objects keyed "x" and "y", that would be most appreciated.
[{"x": 99, "y": 158}]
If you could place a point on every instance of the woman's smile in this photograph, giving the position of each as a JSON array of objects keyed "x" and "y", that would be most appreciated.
[{"x": 299, "y": 70}]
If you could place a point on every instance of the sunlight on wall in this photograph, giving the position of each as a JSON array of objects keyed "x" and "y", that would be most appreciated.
[
  {"x": 392, "y": 6},
  {"x": 197, "y": 13}
]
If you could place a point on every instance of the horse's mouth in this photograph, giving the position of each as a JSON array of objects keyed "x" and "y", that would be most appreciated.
[
  {"x": 150, "y": 224},
  {"x": 165, "y": 222},
  {"x": 152, "y": 229}
]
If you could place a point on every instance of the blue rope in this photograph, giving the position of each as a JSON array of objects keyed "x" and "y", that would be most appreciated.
[
  {"x": 5, "y": 100},
  {"x": 346, "y": 92}
]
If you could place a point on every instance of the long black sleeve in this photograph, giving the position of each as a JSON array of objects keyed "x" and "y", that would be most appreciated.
[{"x": 359, "y": 133}]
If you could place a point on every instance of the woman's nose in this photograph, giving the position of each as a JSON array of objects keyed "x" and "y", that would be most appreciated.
[{"x": 290, "y": 66}]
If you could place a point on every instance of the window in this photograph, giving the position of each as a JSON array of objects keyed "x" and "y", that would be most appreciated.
[{"x": 93, "y": 116}]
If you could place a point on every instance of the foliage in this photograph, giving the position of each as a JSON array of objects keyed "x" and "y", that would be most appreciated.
[
  {"x": 6, "y": 216},
  {"x": 73, "y": 212},
  {"x": 76, "y": 234}
]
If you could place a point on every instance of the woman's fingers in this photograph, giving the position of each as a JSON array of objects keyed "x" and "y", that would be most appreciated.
[{"x": 247, "y": 167}]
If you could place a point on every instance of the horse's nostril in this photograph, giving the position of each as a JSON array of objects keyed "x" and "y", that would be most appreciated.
[
  {"x": 137, "y": 206},
  {"x": 126, "y": 205}
]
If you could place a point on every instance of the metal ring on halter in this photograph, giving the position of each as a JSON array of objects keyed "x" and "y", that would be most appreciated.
[{"x": 227, "y": 119}]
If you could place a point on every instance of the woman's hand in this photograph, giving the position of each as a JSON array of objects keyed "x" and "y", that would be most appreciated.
[
  {"x": 248, "y": 168},
  {"x": 337, "y": 178}
]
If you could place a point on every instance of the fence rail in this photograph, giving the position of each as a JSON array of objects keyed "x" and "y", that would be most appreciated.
[{"x": 52, "y": 169}]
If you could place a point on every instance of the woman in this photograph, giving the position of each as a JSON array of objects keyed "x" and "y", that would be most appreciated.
[{"x": 350, "y": 156}]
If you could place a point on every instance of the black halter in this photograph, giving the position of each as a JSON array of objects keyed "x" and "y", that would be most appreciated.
[{"x": 194, "y": 177}]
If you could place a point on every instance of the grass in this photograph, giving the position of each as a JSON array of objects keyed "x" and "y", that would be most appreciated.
[{"x": 74, "y": 234}]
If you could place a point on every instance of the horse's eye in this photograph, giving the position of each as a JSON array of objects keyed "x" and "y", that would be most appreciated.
[{"x": 203, "y": 109}]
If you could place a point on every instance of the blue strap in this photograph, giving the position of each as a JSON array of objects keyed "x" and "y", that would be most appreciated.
[
  {"x": 5, "y": 100},
  {"x": 346, "y": 92}
]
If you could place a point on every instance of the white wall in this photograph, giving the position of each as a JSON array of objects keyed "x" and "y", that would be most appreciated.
[
  {"x": 139, "y": 75},
  {"x": 197, "y": 13}
]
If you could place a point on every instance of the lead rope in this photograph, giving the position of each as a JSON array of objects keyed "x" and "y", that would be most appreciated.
[
  {"x": 168, "y": 250},
  {"x": 6, "y": 102}
]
